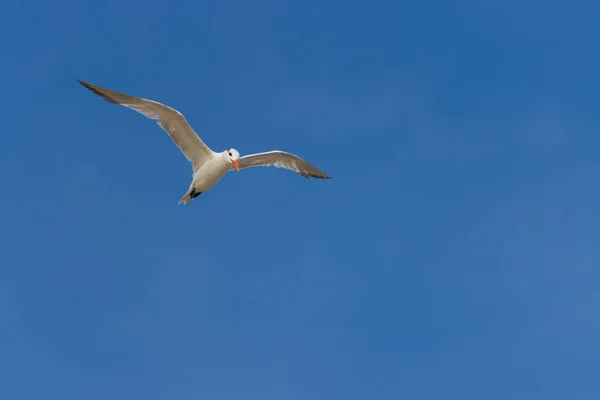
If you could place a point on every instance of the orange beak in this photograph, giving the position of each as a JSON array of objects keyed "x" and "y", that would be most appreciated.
[{"x": 236, "y": 165}]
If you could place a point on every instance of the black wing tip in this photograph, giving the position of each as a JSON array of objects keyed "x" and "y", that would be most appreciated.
[
  {"x": 82, "y": 83},
  {"x": 321, "y": 175},
  {"x": 96, "y": 90}
]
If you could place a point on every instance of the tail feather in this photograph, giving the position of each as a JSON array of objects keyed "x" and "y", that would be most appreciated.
[{"x": 188, "y": 196}]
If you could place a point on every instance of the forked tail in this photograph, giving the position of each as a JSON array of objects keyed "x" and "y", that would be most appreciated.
[{"x": 188, "y": 196}]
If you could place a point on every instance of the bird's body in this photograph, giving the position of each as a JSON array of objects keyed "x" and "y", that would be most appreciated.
[
  {"x": 209, "y": 167},
  {"x": 207, "y": 176},
  {"x": 210, "y": 173}
]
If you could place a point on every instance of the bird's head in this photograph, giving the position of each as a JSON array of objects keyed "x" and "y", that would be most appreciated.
[{"x": 232, "y": 156}]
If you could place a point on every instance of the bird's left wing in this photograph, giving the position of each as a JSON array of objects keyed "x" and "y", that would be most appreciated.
[{"x": 281, "y": 159}]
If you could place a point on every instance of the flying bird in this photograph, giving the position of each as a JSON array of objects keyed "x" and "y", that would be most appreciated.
[{"x": 208, "y": 167}]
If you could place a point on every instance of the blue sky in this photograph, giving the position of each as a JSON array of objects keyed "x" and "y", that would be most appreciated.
[{"x": 453, "y": 255}]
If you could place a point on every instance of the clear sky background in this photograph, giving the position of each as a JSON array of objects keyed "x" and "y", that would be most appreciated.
[{"x": 454, "y": 254}]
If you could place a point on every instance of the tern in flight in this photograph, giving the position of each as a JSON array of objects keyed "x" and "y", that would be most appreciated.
[{"x": 208, "y": 166}]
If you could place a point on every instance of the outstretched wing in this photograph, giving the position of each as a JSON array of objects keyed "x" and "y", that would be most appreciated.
[
  {"x": 171, "y": 120},
  {"x": 281, "y": 159}
]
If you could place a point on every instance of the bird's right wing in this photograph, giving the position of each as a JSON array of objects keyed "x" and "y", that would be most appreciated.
[{"x": 171, "y": 120}]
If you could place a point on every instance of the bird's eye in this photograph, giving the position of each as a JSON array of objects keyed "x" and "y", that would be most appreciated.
[{"x": 229, "y": 154}]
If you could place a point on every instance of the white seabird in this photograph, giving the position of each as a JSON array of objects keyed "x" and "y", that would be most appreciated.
[{"x": 208, "y": 166}]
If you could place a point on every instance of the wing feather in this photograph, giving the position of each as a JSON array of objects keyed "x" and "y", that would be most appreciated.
[
  {"x": 169, "y": 119},
  {"x": 281, "y": 159}
]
